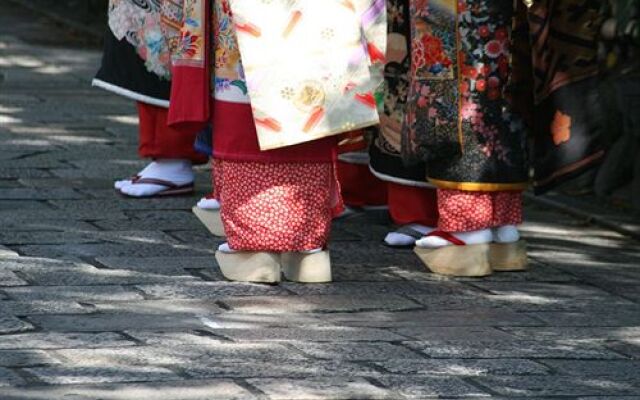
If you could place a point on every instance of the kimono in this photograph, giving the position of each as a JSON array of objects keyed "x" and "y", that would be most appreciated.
[
  {"x": 448, "y": 121},
  {"x": 569, "y": 114},
  {"x": 275, "y": 123},
  {"x": 136, "y": 60},
  {"x": 136, "y": 64},
  {"x": 459, "y": 117}
]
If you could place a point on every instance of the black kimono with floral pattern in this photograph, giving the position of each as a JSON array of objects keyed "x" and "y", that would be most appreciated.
[{"x": 448, "y": 112}]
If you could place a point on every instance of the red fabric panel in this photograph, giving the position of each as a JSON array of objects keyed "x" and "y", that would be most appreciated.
[
  {"x": 412, "y": 205},
  {"x": 360, "y": 187},
  {"x": 275, "y": 207},
  {"x": 191, "y": 89},
  {"x": 464, "y": 211},
  {"x": 158, "y": 140},
  {"x": 235, "y": 139}
]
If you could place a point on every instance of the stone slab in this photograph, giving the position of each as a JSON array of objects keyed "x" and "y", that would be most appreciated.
[
  {"x": 175, "y": 338},
  {"x": 9, "y": 378},
  {"x": 43, "y": 214},
  {"x": 16, "y": 173},
  {"x": 529, "y": 386},
  {"x": 629, "y": 348},
  {"x": 625, "y": 369},
  {"x": 89, "y": 276},
  {"x": 117, "y": 202},
  {"x": 357, "y": 351},
  {"x": 463, "y": 367},
  {"x": 11, "y": 324},
  {"x": 490, "y": 348},
  {"x": 522, "y": 303},
  {"x": 615, "y": 318},
  {"x": 40, "y": 193},
  {"x": 544, "y": 289},
  {"x": 470, "y": 334},
  {"x": 422, "y": 387},
  {"x": 115, "y": 250},
  {"x": 46, "y": 224},
  {"x": 334, "y": 388},
  {"x": 217, "y": 389},
  {"x": 116, "y": 322},
  {"x": 373, "y": 289},
  {"x": 310, "y": 334},
  {"x": 419, "y": 319},
  {"x": 208, "y": 353},
  {"x": 7, "y": 252},
  {"x": 278, "y": 369},
  {"x": 73, "y": 293},
  {"x": 209, "y": 290},
  {"x": 23, "y": 205},
  {"x": 60, "y": 375},
  {"x": 58, "y": 340},
  {"x": 25, "y": 308},
  {"x": 579, "y": 333},
  {"x": 154, "y": 220},
  {"x": 8, "y": 278},
  {"x": 344, "y": 272},
  {"x": 25, "y": 358},
  {"x": 172, "y": 266},
  {"x": 82, "y": 237},
  {"x": 158, "y": 307},
  {"x": 328, "y": 303}
]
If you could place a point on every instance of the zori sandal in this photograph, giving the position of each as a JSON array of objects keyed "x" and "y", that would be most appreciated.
[{"x": 171, "y": 189}]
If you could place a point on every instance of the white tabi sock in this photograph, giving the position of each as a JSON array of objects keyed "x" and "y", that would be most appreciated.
[
  {"x": 206, "y": 203},
  {"x": 178, "y": 172},
  {"x": 506, "y": 234},
  {"x": 473, "y": 237},
  {"x": 399, "y": 239},
  {"x": 126, "y": 182},
  {"x": 225, "y": 248}
]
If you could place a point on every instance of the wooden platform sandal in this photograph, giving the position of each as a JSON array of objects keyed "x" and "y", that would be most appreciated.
[
  {"x": 457, "y": 259},
  {"x": 307, "y": 267},
  {"x": 249, "y": 266}
]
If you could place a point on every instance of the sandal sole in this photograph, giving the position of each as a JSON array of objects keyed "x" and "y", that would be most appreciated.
[
  {"x": 211, "y": 219},
  {"x": 505, "y": 257},
  {"x": 467, "y": 261}
]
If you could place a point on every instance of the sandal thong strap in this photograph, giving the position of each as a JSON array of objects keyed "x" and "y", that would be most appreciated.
[
  {"x": 448, "y": 237},
  {"x": 160, "y": 182}
]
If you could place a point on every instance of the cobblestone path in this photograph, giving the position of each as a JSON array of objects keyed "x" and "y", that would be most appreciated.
[{"x": 107, "y": 298}]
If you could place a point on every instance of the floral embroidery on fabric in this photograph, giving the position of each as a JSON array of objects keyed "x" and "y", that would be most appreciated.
[
  {"x": 459, "y": 115},
  {"x": 228, "y": 80},
  {"x": 139, "y": 22},
  {"x": 185, "y": 30}
]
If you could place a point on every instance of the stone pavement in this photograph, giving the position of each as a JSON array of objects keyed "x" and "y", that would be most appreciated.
[{"x": 107, "y": 298}]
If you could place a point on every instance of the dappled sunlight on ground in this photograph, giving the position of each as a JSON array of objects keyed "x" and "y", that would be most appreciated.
[{"x": 113, "y": 298}]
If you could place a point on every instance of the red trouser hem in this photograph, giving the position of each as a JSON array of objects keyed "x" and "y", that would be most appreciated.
[
  {"x": 159, "y": 141},
  {"x": 412, "y": 205}
]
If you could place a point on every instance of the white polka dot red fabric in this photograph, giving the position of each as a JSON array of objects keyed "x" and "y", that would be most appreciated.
[
  {"x": 464, "y": 211},
  {"x": 276, "y": 207}
]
